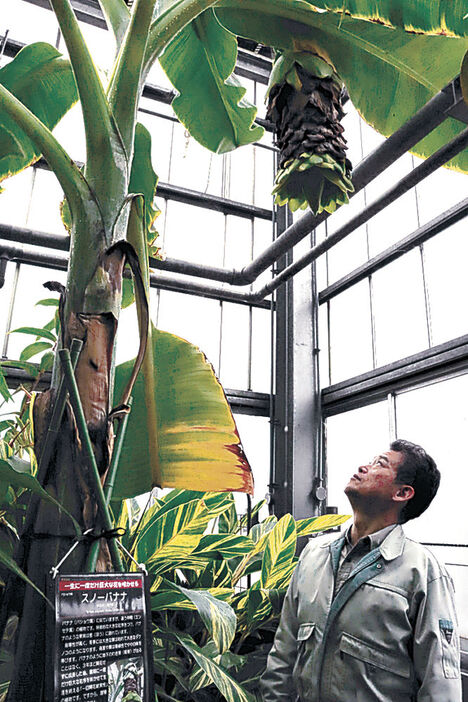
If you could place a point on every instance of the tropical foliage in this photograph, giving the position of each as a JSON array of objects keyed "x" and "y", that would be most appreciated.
[{"x": 217, "y": 589}]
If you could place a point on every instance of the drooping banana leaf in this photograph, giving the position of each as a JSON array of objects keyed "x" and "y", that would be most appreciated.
[
  {"x": 44, "y": 82},
  {"x": 445, "y": 17},
  {"x": 199, "y": 447},
  {"x": 199, "y": 62},
  {"x": 389, "y": 73}
]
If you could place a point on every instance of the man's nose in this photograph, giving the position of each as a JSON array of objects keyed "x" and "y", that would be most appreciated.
[{"x": 363, "y": 469}]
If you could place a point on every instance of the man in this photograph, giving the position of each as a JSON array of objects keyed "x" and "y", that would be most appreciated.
[{"x": 369, "y": 616}]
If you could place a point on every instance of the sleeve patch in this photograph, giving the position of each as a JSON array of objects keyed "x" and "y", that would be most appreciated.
[{"x": 446, "y": 627}]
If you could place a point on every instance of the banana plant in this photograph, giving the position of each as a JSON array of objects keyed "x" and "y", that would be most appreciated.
[{"x": 392, "y": 56}]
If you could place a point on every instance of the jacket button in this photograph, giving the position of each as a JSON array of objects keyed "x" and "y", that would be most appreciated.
[{"x": 379, "y": 565}]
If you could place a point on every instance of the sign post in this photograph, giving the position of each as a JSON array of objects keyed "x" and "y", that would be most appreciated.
[{"x": 102, "y": 638}]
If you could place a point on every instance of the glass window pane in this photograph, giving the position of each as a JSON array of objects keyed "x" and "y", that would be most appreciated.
[
  {"x": 242, "y": 181},
  {"x": 440, "y": 191},
  {"x": 352, "y": 439},
  {"x": 351, "y": 252},
  {"x": 28, "y": 23},
  {"x": 264, "y": 174},
  {"x": 193, "y": 166},
  {"x": 261, "y": 350},
  {"x": 436, "y": 417},
  {"x": 399, "y": 309},
  {"x": 398, "y": 219},
  {"x": 254, "y": 434},
  {"x": 350, "y": 333},
  {"x": 193, "y": 318},
  {"x": 235, "y": 346},
  {"x": 324, "y": 346},
  {"x": 25, "y": 312},
  {"x": 445, "y": 266},
  {"x": 16, "y": 197},
  {"x": 238, "y": 250},
  {"x": 44, "y": 210},
  {"x": 194, "y": 234}
]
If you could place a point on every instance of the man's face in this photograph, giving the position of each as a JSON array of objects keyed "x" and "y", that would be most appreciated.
[{"x": 376, "y": 480}]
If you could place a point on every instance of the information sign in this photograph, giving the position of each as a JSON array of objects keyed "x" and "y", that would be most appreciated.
[{"x": 102, "y": 647}]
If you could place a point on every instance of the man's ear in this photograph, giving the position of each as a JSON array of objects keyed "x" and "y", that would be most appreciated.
[{"x": 404, "y": 493}]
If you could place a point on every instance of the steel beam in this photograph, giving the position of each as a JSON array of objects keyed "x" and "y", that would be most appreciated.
[
  {"x": 416, "y": 238},
  {"x": 444, "y": 360},
  {"x": 297, "y": 422},
  {"x": 212, "y": 202}
]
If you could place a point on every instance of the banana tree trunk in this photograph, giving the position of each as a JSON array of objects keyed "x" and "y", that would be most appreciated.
[{"x": 68, "y": 476}]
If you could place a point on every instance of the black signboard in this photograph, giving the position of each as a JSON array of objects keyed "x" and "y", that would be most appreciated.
[{"x": 102, "y": 639}]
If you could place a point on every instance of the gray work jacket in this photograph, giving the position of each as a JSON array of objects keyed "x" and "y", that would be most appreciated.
[{"x": 389, "y": 635}]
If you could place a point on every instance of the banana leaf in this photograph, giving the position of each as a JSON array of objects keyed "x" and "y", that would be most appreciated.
[
  {"x": 199, "y": 447},
  {"x": 44, "y": 82},
  {"x": 199, "y": 62}
]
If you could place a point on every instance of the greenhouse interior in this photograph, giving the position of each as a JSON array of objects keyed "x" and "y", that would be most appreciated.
[{"x": 332, "y": 334}]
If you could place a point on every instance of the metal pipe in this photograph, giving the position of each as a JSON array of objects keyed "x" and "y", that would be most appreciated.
[
  {"x": 212, "y": 202},
  {"x": 400, "y": 248},
  {"x": 409, "y": 181},
  {"x": 80, "y": 419},
  {"x": 37, "y": 258}
]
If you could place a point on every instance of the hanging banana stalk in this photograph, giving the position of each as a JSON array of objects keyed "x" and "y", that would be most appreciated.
[{"x": 304, "y": 104}]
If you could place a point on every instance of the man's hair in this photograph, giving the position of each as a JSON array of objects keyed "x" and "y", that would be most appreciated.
[{"x": 419, "y": 470}]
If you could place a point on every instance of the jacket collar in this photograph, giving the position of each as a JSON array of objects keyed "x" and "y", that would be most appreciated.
[
  {"x": 390, "y": 548},
  {"x": 393, "y": 544}
]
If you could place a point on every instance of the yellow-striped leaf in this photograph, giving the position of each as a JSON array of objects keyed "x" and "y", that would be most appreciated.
[
  {"x": 218, "y": 616},
  {"x": 444, "y": 17},
  {"x": 219, "y": 546},
  {"x": 170, "y": 533},
  {"x": 228, "y": 687},
  {"x": 279, "y": 553},
  {"x": 314, "y": 524}
]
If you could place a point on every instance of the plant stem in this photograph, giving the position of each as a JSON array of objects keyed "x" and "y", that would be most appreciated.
[
  {"x": 124, "y": 90},
  {"x": 117, "y": 17},
  {"x": 105, "y": 153},
  {"x": 109, "y": 482}
]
